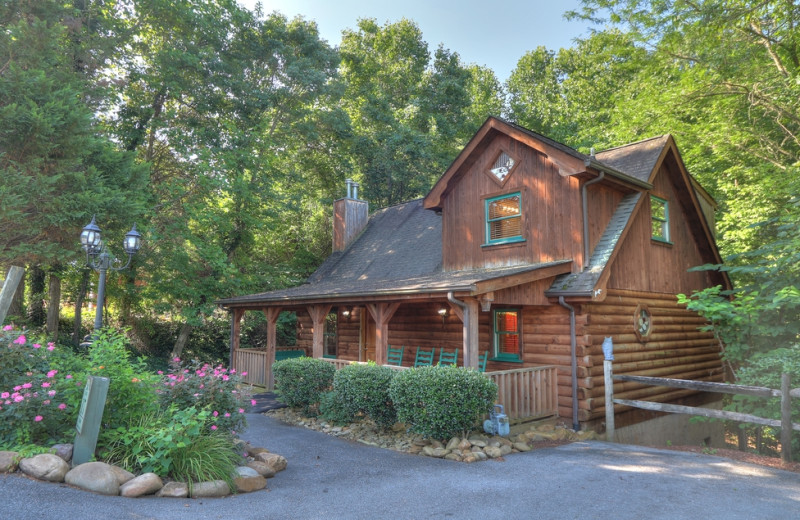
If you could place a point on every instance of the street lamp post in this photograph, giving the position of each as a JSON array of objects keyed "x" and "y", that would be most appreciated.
[{"x": 99, "y": 259}]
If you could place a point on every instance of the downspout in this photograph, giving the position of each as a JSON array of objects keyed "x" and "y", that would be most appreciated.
[
  {"x": 573, "y": 354},
  {"x": 465, "y": 313},
  {"x": 585, "y": 203}
]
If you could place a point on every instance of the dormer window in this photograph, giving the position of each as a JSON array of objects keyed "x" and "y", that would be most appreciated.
[
  {"x": 500, "y": 169},
  {"x": 504, "y": 219}
]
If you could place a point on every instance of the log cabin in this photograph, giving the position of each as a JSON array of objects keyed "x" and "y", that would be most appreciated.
[{"x": 524, "y": 255}]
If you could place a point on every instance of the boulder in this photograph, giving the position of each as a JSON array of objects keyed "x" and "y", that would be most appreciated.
[
  {"x": 64, "y": 451},
  {"x": 212, "y": 488},
  {"x": 252, "y": 451},
  {"x": 453, "y": 444},
  {"x": 273, "y": 460},
  {"x": 174, "y": 490},
  {"x": 493, "y": 452},
  {"x": 248, "y": 480},
  {"x": 144, "y": 484},
  {"x": 8, "y": 461},
  {"x": 522, "y": 446},
  {"x": 464, "y": 445},
  {"x": 98, "y": 477},
  {"x": 430, "y": 451},
  {"x": 479, "y": 441},
  {"x": 262, "y": 468},
  {"x": 45, "y": 466},
  {"x": 122, "y": 475}
]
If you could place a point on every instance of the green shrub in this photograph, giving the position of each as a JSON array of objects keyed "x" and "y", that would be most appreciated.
[
  {"x": 365, "y": 389},
  {"x": 441, "y": 401},
  {"x": 209, "y": 457},
  {"x": 333, "y": 409},
  {"x": 301, "y": 381}
]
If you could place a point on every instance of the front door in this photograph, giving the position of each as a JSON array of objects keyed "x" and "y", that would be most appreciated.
[{"x": 367, "y": 337}]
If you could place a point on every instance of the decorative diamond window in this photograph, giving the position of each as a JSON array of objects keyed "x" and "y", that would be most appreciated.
[{"x": 502, "y": 167}]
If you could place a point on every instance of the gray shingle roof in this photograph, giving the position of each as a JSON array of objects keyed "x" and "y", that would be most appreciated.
[
  {"x": 636, "y": 159},
  {"x": 584, "y": 282},
  {"x": 399, "y": 252}
]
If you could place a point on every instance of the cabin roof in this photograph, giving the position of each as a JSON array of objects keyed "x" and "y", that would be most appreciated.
[
  {"x": 636, "y": 159},
  {"x": 399, "y": 252}
]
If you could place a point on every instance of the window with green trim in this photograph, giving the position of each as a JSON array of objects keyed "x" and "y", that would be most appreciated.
[
  {"x": 507, "y": 335},
  {"x": 330, "y": 336},
  {"x": 659, "y": 218},
  {"x": 504, "y": 219}
]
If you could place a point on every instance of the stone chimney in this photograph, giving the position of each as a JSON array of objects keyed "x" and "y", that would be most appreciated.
[{"x": 349, "y": 217}]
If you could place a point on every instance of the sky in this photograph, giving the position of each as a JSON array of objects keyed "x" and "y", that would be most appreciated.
[{"x": 495, "y": 34}]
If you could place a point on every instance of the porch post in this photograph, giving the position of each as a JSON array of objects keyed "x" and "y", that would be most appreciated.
[
  {"x": 382, "y": 313},
  {"x": 318, "y": 314},
  {"x": 469, "y": 330},
  {"x": 471, "y": 336},
  {"x": 236, "y": 318},
  {"x": 272, "y": 314}
]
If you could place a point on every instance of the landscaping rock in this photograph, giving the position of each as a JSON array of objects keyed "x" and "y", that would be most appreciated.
[
  {"x": 465, "y": 445},
  {"x": 8, "y": 461},
  {"x": 453, "y": 444},
  {"x": 64, "y": 451},
  {"x": 45, "y": 466},
  {"x": 145, "y": 484},
  {"x": 252, "y": 451},
  {"x": 522, "y": 446},
  {"x": 213, "y": 488},
  {"x": 493, "y": 452},
  {"x": 273, "y": 460},
  {"x": 262, "y": 468},
  {"x": 122, "y": 475},
  {"x": 439, "y": 453},
  {"x": 479, "y": 441},
  {"x": 98, "y": 477},
  {"x": 248, "y": 480},
  {"x": 174, "y": 490}
]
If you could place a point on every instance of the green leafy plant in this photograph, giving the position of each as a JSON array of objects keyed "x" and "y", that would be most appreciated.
[
  {"x": 209, "y": 457},
  {"x": 365, "y": 389},
  {"x": 333, "y": 409},
  {"x": 300, "y": 382},
  {"x": 441, "y": 401},
  {"x": 215, "y": 389}
]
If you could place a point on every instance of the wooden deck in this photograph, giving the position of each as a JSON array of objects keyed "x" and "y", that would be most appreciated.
[{"x": 525, "y": 393}]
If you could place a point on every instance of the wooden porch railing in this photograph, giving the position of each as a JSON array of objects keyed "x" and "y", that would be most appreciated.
[
  {"x": 254, "y": 363},
  {"x": 527, "y": 393}
]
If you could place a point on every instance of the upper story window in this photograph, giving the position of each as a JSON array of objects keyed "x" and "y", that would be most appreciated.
[
  {"x": 659, "y": 218},
  {"x": 504, "y": 219},
  {"x": 502, "y": 166},
  {"x": 507, "y": 335}
]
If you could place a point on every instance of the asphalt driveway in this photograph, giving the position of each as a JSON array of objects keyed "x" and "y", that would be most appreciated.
[{"x": 332, "y": 478}]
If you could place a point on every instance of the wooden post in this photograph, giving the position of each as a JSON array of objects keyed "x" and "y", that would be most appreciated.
[
  {"x": 471, "y": 350},
  {"x": 608, "y": 374},
  {"x": 382, "y": 313},
  {"x": 786, "y": 419},
  {"x": 9, "y": 289},
  {"x": 272, "y": 314},
  {"x": 318, "y": 314},
  {"x": 236, "y": 327}
]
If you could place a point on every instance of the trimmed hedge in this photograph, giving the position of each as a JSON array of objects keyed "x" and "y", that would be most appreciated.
[
  {"x": 441, "y": 401},
  {"x": 300, "y": 382},
  {"x": 365, "y": 389}
]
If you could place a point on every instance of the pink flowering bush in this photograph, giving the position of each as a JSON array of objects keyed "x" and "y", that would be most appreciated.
[{"x": 205, "y": 387}]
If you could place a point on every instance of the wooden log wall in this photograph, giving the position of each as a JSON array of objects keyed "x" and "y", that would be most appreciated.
[{"x": 675, "y": 348}]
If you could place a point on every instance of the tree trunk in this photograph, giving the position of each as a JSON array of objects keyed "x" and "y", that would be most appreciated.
[
  {"x": 36, "y": 312},
  {"x": 53, "y": 305},
  {"x": 19, "y": 298},
  {"x": 183, "y": 337},
  {"x": 77, "y": 329}
]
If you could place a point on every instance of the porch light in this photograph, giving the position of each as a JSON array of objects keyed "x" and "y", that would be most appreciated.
[
  {"x": 346, "y": 313},
  {"x": 443, "y": 313}
]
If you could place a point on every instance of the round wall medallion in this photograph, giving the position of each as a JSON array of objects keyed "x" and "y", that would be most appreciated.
[{"x": 642, "y": 322}]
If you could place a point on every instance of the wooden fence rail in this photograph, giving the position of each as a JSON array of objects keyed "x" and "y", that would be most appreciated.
[
  {"x": 527, "y": 393},
  {"x": 785, "y": 394},
  {"x": 253, "y": 362}
]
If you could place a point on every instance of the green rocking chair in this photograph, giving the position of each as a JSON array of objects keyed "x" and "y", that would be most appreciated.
[
  {"x": 448, "y": 358},
  {"x": 424, "y": 358},
  {"x": 394, "y": 356}
]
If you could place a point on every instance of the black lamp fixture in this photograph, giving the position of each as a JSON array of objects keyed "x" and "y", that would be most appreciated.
[{"x": 99, "y": 259}]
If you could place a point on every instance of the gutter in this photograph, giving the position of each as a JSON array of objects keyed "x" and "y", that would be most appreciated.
[
  {"x": 574, "y": 361},
  {"x": 465, "y": 313}
]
